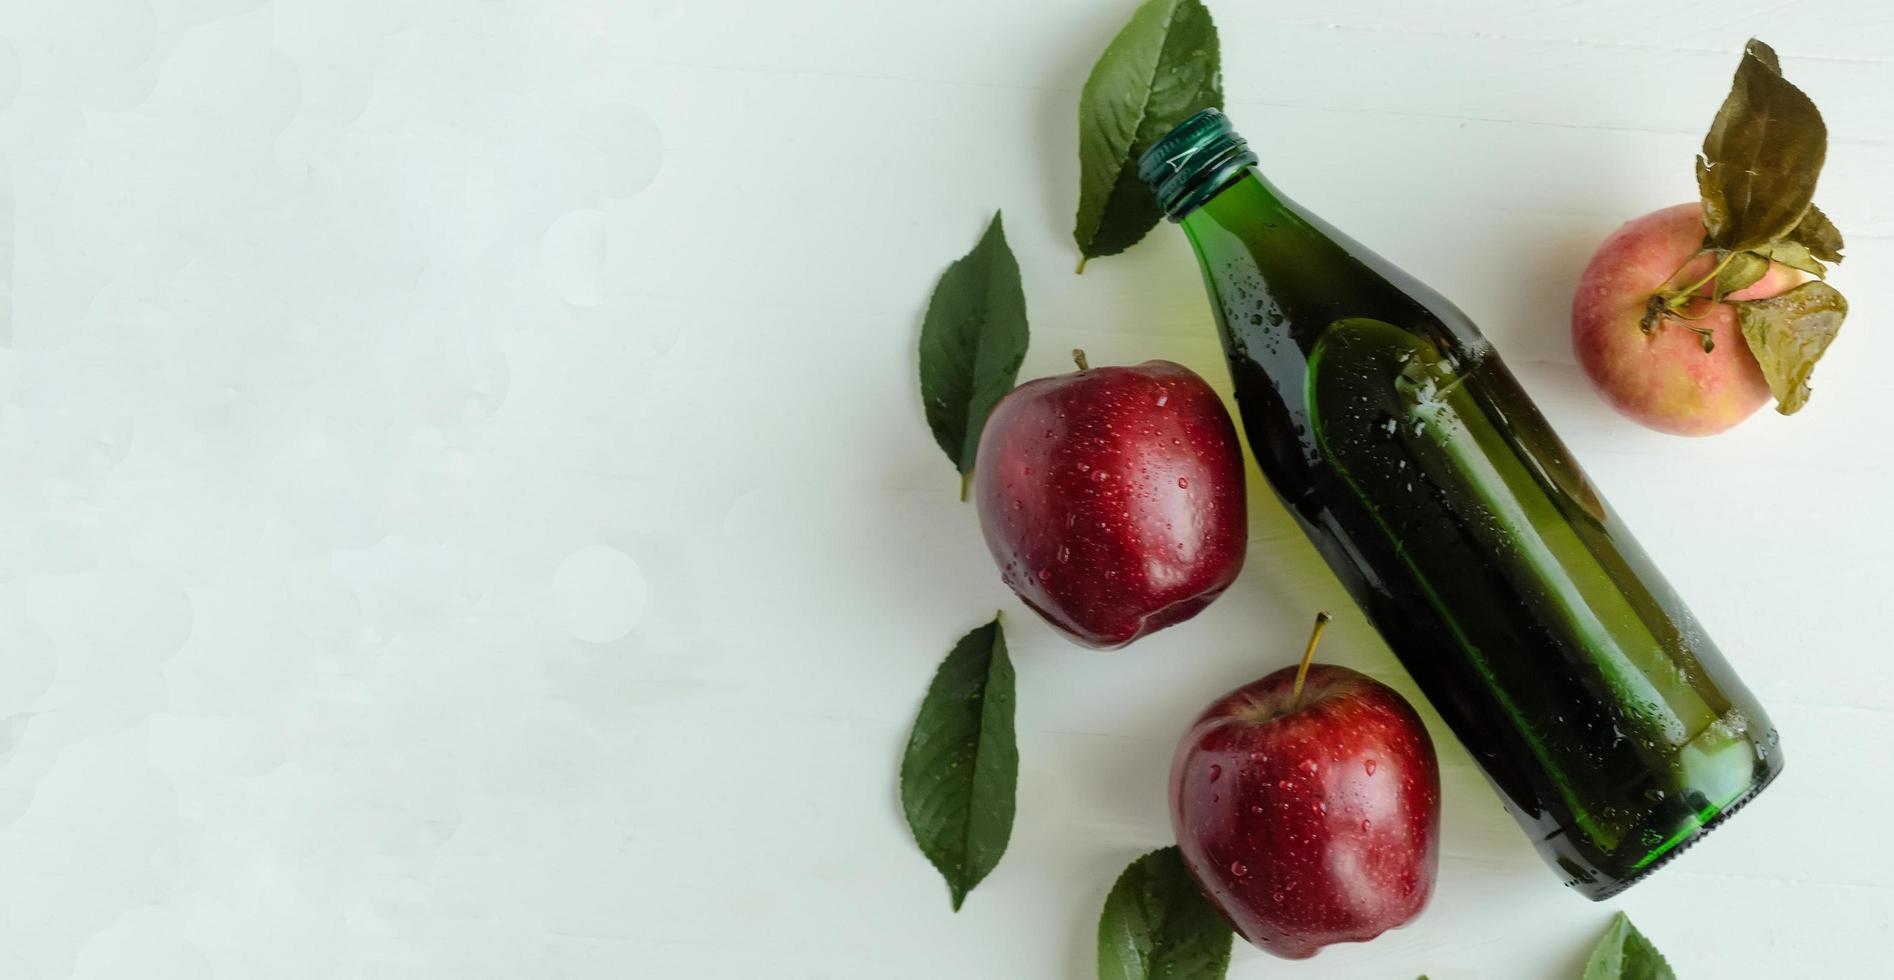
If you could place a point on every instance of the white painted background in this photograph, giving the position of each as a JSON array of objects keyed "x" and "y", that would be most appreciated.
[{"x": 465, "y": 509}]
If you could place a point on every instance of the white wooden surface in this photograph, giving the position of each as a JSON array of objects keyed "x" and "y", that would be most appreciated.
[{"x": 467, "y": 512}]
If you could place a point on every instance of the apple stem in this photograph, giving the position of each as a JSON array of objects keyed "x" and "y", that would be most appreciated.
[
  {"x": 1078, "y": 358},
  {"x": 1308, "y": 655}
]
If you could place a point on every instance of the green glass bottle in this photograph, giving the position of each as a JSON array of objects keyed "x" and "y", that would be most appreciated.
[{"x": 1385, "y": 422}]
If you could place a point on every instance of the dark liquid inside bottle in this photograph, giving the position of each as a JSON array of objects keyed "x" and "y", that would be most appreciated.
[{"x": 1505, "y": 584}]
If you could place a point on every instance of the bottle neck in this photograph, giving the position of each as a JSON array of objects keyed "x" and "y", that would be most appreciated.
[
  {"x": 1242, "y": 201},
  {"x": 1194, "y": 162}
]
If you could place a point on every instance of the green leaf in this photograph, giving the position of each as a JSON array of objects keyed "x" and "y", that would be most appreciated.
[
  {"x": 1765, "y": 148},
  {"x": 1742, "y": 270},
  {"x": 1795, "y": 255},
  {"x": 1788, "y": 334},
  {"x": 1818, "y": 234},
  {"x": 1624, "y": 954},
  {"x": 961, "y": 768},
  {"x": 1162, "y": 68},
  {"x": 972, "y": 342},
  {"x": 1158, "y": 924}
]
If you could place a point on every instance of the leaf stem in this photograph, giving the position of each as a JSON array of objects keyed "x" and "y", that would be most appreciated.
[
  {"x": 965, "y": 479},
  {"x": 1677, "y": 299},
  {"x": 1078, "y": 358},
  {"x": 1665, "y": 285},
  {"x": 1081, "y": 269},
  {"x": 1308, "y": 655}
]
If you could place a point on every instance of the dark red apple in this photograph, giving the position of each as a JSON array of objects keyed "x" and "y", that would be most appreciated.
[
  {"x": 1309, "y": 811},
  {"x": 1112, "y": 498}
]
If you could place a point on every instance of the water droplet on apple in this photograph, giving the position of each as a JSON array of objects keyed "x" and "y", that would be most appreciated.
[
  {"x": 1309, "y": 767},
  {"x": 1100, "y": 476},
  {"x": 1045, "y": 575},
  {"x": 1239, "y": 869},
  {"x": 1285, "y": 785},
  {"x": 1216, "y": 773},
  {"x": 1364, "y": 824},
  {"x": 1163, "y": 398},
  {"x": 1085, "y": 467},
  {"x": 1256, "y": 808},
  {"x": 1277, "y": 898},
  {"x": 1065, "y": 551},
  {"x": 1368, "y": 764},
  {"x": 1183, "y": 483}
]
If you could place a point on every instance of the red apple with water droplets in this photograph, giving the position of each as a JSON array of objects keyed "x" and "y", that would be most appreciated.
[
  {"x": 1112, "y": 498},
  {"x": 1307, "y": 806}
]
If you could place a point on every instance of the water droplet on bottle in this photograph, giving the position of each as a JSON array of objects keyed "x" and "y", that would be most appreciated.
[
  {"x": 1239, "y": 869},
  {"x": 1256, "y": 319},
  {"x": 1183, "y": 483},
  {"x": 1368, "y": 764},
  {"x": 1654, "y": 794},
  {"x": 1216, "y": 773}
]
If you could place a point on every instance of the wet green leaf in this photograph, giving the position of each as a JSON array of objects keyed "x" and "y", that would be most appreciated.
[
  {"x": 1161, "y": 68},
  {"x": 1624, "y": 954},
  {"x": 1742, "y": 270},
  {"x": 1157, "y": 925},
  {"x": 972, "y": 342},
  {"x": 1788, "y": 334},
  {"x": 1764, "y": 151},
  {"x": 961, "y": 770}
]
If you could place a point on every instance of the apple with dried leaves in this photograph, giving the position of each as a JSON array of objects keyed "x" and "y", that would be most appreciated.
[
  {"x": 1687, "y": 377},
  {"x": 1690, "y": 318}
]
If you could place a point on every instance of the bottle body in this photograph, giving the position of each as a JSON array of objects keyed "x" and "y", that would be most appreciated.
[{"x": 1527, "y": 614}]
